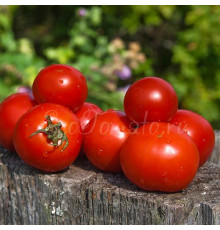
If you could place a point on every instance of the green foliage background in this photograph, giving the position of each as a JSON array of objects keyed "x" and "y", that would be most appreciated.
[{"x": 178, "y": 43}]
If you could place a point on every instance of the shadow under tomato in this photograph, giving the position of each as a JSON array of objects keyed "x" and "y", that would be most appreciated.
[
  {"x": 15, "y": 164},
  {"x": 115, "y": 179}
]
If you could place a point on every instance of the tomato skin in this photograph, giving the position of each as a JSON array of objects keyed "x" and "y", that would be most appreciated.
[
  {"x": 150, "y": 99},
  {"x": 60, "y": 84},
  {"x": 86, "y": 112},
  {"x": 11, "y": 109},
  {"x": 159, "y": 157},
  {"x": 37, "y": 150},
  {"x": 199, "y": 129},
  {"x": 103, "y": 137}
]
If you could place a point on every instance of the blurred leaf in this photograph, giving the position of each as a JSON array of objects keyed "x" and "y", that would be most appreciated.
[{"x": 59, "y": 54}]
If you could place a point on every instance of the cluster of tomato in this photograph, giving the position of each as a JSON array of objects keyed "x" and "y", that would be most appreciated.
[{"x": 157, "y": 146}]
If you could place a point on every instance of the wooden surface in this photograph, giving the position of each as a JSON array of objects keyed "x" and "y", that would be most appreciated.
[
  {"x": 215, "y": 157},
  {"x": 84, "y": 195}
]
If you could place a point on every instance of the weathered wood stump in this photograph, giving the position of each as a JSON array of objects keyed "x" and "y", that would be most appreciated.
[{"x": 84, "y": 195}]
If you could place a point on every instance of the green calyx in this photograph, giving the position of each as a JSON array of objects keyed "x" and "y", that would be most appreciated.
[{"x": 54, "y": 133}]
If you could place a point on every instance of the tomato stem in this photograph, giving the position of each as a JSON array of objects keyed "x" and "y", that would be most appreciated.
[{"x": 54, "y": 133}]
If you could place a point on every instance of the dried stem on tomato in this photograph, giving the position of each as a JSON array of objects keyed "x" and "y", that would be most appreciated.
[{"x": 54, "y": 133}]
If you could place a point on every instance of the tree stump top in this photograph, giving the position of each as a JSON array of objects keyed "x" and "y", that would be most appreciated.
[{"x": 84, "y": 195}]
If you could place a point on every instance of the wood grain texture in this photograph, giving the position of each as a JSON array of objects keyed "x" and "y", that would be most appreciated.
[
  {"x": 84, "y": 195},
  {"x": 215, "y": 157}
]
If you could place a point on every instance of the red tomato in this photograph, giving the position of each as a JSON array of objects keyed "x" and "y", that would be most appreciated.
[
  {"x": 11, "y": 109},
  {"x": 86, "y": 112},
  {"x": 159, "y": 157},
  {"x": 103, "y": 137},
  {"x": 60, "y": 84},
  {"x": 150, "y": 99},
  {"x": 199, "y": 129},
  {"x": 36, "y": 137}
]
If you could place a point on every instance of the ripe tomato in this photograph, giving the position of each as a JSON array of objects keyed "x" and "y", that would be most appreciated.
[
  {"x": 60, "y": 84},
  {"x": 199, "y": 129},
  {"x": 11, "y": 109},
  {"x": 103, "y": 137},
  {"x": 48, "y": 137},
  {"x": 150, "y": 99},
  {"x": 159, "y": 157},
  {"x": 86, "y": 112}
]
